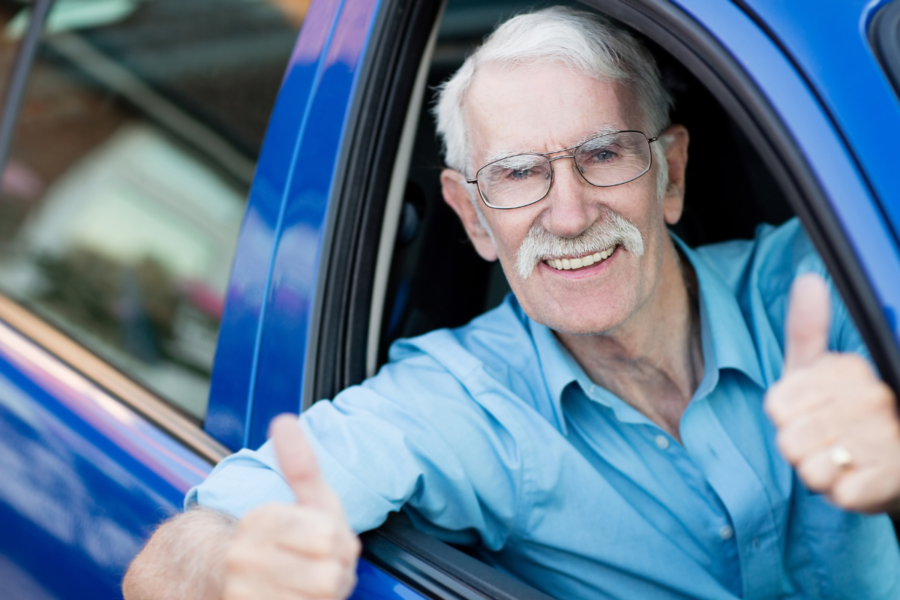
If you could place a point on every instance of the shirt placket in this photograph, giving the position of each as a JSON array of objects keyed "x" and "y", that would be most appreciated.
[{"x": 744, "y": 496}]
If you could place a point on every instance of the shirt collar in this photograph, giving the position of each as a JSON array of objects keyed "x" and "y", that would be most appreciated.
[{"x": 727, "y": 342}]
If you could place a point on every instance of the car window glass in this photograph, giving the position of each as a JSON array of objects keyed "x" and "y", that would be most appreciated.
[{"x": 129, "y": 171}]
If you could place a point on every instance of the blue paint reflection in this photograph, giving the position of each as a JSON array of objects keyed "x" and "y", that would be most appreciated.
[{"x": 375, "y": 584}]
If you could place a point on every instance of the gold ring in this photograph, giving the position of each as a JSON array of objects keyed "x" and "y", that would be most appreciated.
[{"x": 840, "y": 456}]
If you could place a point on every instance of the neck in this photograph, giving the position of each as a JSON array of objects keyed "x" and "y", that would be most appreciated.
[{"x": 654, "y": 361}]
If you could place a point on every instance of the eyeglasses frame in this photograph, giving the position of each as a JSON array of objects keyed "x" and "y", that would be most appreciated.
[{"x": 574, "y": 149}]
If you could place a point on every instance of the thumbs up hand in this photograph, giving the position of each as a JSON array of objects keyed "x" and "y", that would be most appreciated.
[
  {"x": 302, "y": 550},
  {"x": 837, "y": 422}
]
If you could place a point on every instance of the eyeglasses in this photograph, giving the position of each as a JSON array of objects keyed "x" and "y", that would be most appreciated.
[{"x": 603, "y": 161}]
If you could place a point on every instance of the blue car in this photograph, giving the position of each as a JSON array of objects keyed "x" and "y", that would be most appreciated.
[{"x": 216, "y": 211}]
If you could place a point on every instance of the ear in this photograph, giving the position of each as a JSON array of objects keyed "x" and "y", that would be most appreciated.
[
  {"x": 456, "y": 194},
  {"x": 677, "y": 158}
]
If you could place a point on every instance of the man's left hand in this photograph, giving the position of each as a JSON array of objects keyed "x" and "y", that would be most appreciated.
[{"x": 837, "y": 422}]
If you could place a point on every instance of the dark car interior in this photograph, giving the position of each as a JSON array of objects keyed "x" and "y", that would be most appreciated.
[{"x": 437, "y": 279}]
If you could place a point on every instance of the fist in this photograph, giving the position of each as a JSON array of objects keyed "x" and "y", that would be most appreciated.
[
  {"x": 297, "y": 551},
  {"x": 837, "y": 422}
]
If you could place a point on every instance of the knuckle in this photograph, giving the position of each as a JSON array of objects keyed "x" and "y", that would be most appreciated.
[
  {"x": 355, "y": 547},
  {"x": 329, "y": 579},
  {"x": 331, "y": 530},
  {"x": 810, "y": 476},
  {"x": 774, "y": 404},
  {"x": 325, "y": 538},
  {"x": 789, "y": 447},
  {"x": 855, "y": 366},
  {"x": 893, "y": 428},
  {"x": 883, "y": 398},
  {"x": 842, "y": 497},
  {"x": 846, "y": 495}
]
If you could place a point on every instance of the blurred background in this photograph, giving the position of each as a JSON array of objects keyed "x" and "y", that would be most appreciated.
[{"x": 126, "y": 184}]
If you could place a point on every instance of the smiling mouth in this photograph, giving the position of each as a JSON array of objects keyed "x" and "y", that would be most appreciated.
[{"x": 569, "y": 264}]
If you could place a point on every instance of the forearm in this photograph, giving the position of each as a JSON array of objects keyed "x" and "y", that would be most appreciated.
[{"x": 185, "y": 558}]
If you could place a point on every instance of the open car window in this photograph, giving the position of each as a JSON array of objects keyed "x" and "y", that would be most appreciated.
[{"x": 437, "y": 280}]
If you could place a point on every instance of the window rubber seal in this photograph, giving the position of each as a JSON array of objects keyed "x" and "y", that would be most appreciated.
[
  {"x": 884, "y": 37},
  {"x": 437, "y": 570}
]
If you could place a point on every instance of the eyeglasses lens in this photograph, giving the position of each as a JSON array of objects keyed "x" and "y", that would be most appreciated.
[{"x": 603, "y": 161}]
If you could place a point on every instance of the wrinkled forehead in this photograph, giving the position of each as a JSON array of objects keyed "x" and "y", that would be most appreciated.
[{"x": 540, "y": 108}]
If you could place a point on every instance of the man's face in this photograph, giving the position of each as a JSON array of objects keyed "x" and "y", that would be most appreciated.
[{"x": 543, "y": 108}]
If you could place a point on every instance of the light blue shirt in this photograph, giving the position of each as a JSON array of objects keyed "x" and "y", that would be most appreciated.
[{"x": 493, "y": 434}]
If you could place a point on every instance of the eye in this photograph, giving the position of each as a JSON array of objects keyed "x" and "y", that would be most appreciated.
[
  {"x": 516, "y": 169},
  {"x": 602, "y": 155}
]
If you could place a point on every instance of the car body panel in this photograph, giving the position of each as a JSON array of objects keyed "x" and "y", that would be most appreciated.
[
  {"x": 235, "y": 371},
  {"x": 375, "y": 584},
  {"x": 818, "y": 137},
  {"x": 295, "y": 268},
  {"x": 836, "y": 57},
  {"x": 85, "y": 478}
]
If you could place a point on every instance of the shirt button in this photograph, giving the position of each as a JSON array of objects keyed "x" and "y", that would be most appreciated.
[
  {"x": 662, "y": 442},
  {"x": 726, "y": 532}
]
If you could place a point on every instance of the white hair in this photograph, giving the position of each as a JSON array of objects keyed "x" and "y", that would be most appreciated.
[{"x": 584, "y": 41}]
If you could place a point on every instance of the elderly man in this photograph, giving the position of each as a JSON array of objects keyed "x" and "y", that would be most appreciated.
[{"x": 602, "y": 432}]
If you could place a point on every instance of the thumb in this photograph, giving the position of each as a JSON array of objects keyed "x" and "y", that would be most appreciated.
[
  {"x": 298, "y": 464},
  {"x": 808, "y": 322}
]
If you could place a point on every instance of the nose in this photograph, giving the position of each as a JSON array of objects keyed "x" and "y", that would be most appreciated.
[{"x": 570, "y": 210}]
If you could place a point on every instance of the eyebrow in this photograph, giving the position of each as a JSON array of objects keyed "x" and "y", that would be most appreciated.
[{"x": 501, "y": 154}]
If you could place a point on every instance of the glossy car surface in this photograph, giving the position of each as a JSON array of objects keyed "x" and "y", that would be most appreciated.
[{"x": 93, "y": 454}]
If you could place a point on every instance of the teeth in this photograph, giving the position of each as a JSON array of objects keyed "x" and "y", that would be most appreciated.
[{"x": 566, "y": 264}]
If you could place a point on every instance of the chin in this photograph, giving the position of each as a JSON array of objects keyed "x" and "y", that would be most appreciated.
[{"x": 582, "y": 319}]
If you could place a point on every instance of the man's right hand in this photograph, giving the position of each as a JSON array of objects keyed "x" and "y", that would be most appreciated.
[{"x": 302, "y": 550}]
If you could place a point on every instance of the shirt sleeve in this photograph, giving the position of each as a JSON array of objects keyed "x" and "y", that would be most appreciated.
[
  {"x": 760, "y": 272},
  {"x": 413, "y": 435}
]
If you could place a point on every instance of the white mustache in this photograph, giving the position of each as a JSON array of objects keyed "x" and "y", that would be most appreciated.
[{"x": 613, "y": 230}]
